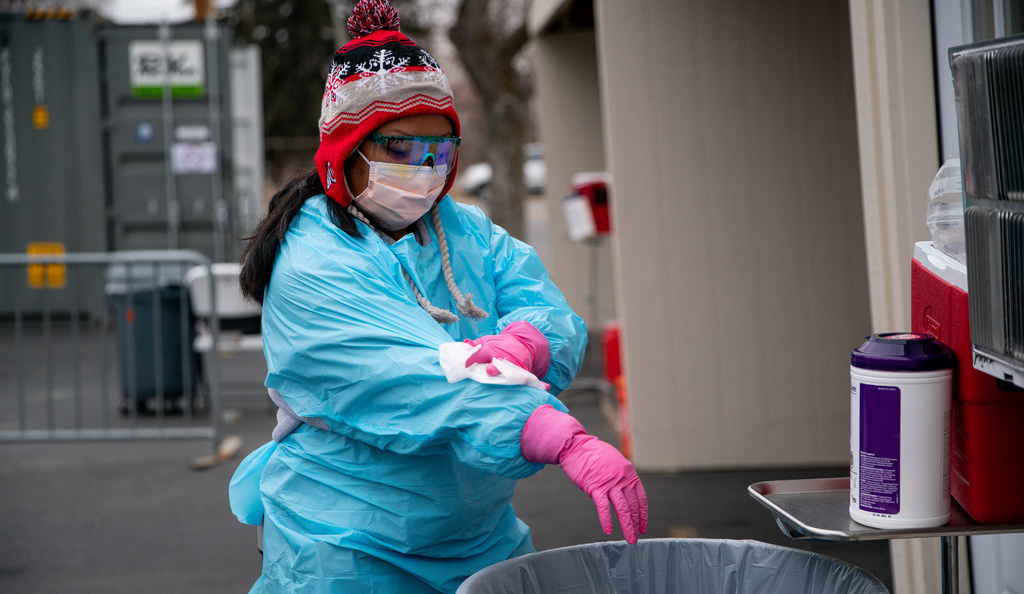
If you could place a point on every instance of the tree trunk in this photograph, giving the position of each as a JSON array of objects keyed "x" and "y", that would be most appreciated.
[{"x": 488, "y": 56}]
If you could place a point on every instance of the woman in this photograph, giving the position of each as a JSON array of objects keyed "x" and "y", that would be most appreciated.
[{"x": 384, "y": 476}]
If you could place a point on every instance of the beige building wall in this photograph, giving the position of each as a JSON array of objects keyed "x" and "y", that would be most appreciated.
[
  {"x": 569, "y": 117},
  {"x": 739, "y": 250}
]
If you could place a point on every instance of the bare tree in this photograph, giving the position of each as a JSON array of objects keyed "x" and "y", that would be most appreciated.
[{"x": 489, "y": 35}]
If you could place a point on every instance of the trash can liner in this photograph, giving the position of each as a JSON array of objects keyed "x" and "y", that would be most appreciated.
[{"x": 673, "y": 566}]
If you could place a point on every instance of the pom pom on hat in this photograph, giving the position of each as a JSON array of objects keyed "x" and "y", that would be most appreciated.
[{"x": 372, "y": 15}]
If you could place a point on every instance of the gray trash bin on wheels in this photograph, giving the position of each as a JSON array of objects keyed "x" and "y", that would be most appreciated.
[
  {"x": 673, "y": 566},
  {"x": 155, "y": 331}
]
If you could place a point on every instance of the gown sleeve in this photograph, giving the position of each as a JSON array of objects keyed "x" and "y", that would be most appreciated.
[
  {"x": 525, "y": 292},
  {"x": 346, "y": 342}
]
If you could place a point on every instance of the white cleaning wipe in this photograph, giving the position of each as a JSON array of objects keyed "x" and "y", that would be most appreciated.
[{"x": 453, "y": 362}]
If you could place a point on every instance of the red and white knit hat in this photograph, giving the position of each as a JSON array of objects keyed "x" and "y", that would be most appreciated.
[{"x": 379, "y": 76}]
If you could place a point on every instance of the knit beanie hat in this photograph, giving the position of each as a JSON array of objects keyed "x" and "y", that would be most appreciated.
[{"x": 379, "y": 76}]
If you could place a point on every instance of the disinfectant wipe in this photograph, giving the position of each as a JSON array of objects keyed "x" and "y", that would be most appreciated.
[{"x": 453, "y": 362}]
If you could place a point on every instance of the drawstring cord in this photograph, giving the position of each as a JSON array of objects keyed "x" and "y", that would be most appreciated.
[{"x": 464, "y": 303}]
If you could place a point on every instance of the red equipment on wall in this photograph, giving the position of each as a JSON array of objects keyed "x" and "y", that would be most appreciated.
[{"x": 594, "y": 187}]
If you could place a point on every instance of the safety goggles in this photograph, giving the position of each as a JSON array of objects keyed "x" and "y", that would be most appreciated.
[{"x": 438, "y": 152}]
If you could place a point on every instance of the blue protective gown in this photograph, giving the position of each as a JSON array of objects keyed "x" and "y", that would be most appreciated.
[{"x": 410, "y": 488}]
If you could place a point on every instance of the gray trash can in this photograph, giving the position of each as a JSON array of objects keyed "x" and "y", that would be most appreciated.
[
  {"x": 673, "y": 566},
  {"x": 154, "y": 333}
]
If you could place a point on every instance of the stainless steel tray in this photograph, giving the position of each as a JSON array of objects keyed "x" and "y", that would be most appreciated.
[{"x": 819, "y": 509}]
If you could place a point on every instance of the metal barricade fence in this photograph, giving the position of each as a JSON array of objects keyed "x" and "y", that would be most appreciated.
[{"x": 99, "y": 346}]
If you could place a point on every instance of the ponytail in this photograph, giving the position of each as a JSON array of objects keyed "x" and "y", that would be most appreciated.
[{"x": 260, "y": 253}]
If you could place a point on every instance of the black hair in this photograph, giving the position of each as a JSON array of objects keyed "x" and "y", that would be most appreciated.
[{"x": 261, "y": 250}]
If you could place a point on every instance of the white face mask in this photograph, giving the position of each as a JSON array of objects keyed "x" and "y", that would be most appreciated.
[{"x": 397, "y": 195}]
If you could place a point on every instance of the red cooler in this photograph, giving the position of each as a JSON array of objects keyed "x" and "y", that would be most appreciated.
[{"x": 987, "y": 460}]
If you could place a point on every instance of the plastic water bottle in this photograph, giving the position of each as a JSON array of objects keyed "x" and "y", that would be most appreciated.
[{"x": 946, "y": 211}]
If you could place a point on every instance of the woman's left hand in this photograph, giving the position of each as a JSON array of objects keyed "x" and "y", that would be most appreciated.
[{"x": 519, "y": 343}]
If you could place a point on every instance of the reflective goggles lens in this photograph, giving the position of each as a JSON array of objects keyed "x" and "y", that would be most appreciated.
[{"x": 438, "y": 152}]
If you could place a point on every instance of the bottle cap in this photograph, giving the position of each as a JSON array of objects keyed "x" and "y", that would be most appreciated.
[{"x": 902, "y": 351}]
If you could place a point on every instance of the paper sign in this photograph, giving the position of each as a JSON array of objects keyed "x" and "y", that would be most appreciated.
[
  {"x": 190, "y": 158},
  {"x": 579, "y": 219}
]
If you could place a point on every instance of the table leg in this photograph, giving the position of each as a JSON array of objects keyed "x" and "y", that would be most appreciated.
[{"x": 950, "y": 565}]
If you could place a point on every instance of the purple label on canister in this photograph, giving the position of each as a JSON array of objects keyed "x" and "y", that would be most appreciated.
[{"x": 879, "y": 449}]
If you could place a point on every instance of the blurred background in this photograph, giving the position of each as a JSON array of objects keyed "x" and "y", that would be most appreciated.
[{"x": 729, "y": 193}]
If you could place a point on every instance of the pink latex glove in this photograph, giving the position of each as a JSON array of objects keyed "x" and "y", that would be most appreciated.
[
  {"x": 519, "y": 343},
  {"x": 553, "y": 437}
]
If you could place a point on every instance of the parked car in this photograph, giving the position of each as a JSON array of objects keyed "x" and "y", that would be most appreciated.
[{"x": 475, "y": 179}]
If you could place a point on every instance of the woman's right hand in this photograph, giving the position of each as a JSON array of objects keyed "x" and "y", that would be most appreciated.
[
  {"x": 609, "y": 478},
  {"x": 598, "y": 468}
]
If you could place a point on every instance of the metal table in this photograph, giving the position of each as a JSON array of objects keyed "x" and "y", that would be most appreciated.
[{"x": 819, "y": 509}]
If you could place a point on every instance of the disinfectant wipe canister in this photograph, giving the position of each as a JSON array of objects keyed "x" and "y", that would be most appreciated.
[{"x": 900, "y": 396}]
